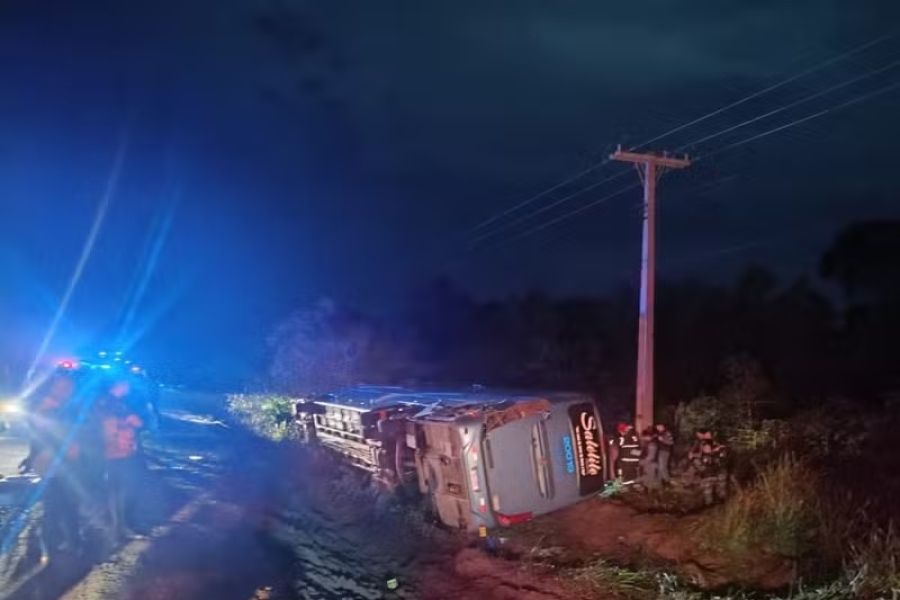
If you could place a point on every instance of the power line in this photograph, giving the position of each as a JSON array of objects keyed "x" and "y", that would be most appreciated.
[
  {"x": 509, "y": 224},
  {"x": 535, "y": 198},
  {"x": 790, "y": 105},
  {"x": 591, "y": 169},
  {"x": 805, "y": 119},
  {"x": 821, "y": 113},
  {"x": 568, "y": 215},
  {"x": 771, "y": 88}
]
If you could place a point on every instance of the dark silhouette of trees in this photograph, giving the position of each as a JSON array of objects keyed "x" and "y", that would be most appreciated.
[
  {"x": 792, "y": 334},
  {"x": 864, "y": 261}
]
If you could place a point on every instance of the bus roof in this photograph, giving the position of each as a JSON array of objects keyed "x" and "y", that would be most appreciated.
[{"x": 366, "y": 398}]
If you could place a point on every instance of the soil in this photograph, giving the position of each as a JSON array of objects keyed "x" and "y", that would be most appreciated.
[{"x": 616, "y": 531}]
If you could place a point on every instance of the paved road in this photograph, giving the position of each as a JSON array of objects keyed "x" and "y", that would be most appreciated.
[
  {"x": 12, "y": 450},
  {"x": 179, "y": 406}
]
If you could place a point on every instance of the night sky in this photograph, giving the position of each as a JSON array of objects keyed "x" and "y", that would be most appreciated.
[{"x": 271, "y": 153}]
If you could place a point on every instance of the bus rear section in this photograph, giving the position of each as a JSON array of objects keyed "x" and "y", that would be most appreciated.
[
  {"x": 442, "y": 473},
  {"x": 544, "y": 461},
  {"x": 510, "y": 462}
]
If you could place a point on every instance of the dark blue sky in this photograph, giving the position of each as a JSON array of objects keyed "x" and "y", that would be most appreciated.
[{"x": 293, "y": 149}]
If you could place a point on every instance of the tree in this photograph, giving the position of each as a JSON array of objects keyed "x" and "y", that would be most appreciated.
[
  {"x": 318, "y": 349},
  {"x": 865, "y": 261}
]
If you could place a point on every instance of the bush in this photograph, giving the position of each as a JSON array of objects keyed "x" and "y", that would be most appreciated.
[
  {"x": 739, "y": 414},
  {"x": 267, "y": 415},
  {"x": 836, "y": 429},
  {"x": 787, "y": 512},
  {"x": 873, "y": 564},
  {"x": 823, "y": 435},
  {"x": 778, "y": 513}
]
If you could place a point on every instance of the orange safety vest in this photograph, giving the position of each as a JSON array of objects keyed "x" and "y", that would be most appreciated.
[{"x": 120, "y": 436}]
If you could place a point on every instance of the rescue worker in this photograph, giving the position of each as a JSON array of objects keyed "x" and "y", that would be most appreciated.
[
  {"x": 626, "y": 454},
  {"x": 665, "y": 444},
  {"x": 703, "y": 436},
  {"x": 119, "y": 429},
  {"x": 649, "y": 460},
  {"x": 55, "y": 455},
  {"x": 710, "y": 467}
]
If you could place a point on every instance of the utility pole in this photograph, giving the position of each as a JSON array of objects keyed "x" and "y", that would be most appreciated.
[{"x": 650, "y": 167}]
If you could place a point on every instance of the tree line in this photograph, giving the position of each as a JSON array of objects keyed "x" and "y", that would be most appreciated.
[{"x": 819, "y": 336}]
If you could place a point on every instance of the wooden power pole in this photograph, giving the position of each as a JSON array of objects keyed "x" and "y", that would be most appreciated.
[{"x": 650, "y": 167}]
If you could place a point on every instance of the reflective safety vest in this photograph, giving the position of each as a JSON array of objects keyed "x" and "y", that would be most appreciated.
[
  {"x": 629, "y": 447},
  {"x": 120, "y": 435},
  {"x": 711, "y": 464}
]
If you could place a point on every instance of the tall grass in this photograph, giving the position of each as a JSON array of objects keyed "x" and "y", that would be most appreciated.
[
  {"x": 602, "y": 579},
  {"x": 778, "y": 513},
  {"x": 873, "y": 563},
  {"x": 787, "y": 512}
]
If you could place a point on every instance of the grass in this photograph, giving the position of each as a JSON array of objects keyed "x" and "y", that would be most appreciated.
[
  {"x": 602, "y": 579},
  {"x": 779, "y": 514},
  {"x": 873, "y": 563},
  {"x": 785, "y": 512},
  {"x": 267, "y": 415}
]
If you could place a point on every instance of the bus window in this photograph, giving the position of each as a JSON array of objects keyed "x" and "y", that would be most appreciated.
[
  {"x": 488, "y": 455},
  {"x": 540, "y": 459}
]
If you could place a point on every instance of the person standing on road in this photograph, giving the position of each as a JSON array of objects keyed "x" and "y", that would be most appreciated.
[
  {"x": 55, "y": 455},
  {"x": 119, "y": 427},
  {"x": 665, "y": 444},
  {"x": 649, "y": 460}
]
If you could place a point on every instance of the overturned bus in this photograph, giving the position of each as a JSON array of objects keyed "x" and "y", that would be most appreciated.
[
  {"x": 365, "y": 425},
  {"x": 480, "y": 458}
]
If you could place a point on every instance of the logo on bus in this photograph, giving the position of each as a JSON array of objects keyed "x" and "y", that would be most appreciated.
[
  {"x": 587, "y": 447},
  {"x": 570, "y": 453}
]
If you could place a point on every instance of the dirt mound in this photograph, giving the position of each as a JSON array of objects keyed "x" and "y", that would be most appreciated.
[{"x": 617, "y": 532}]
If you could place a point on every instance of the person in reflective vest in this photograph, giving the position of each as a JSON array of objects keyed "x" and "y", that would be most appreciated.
[
  {"x": 55, "y": 455},
  {"x": 626, "y": 454},
  {"x": 710, "y": 466},
  {"x": 119, "y": 428}
]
